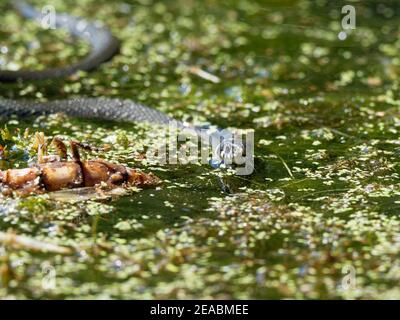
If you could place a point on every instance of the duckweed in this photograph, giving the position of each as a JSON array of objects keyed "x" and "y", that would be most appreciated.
[{"x": 317, "y": 219}]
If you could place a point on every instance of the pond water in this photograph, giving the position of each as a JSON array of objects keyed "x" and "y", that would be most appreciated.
[{"x": 318, "y": 218}]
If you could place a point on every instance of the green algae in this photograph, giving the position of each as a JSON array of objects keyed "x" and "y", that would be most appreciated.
[{"x": 324, "y": 197}]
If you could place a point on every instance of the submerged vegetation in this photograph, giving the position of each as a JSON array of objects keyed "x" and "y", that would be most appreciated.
[{"x": 318, "y": 218}]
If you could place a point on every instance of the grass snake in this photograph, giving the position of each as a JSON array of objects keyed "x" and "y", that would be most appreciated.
[{"x": 103, "y": 47}]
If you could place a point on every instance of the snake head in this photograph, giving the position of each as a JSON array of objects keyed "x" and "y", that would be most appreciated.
[
  {"x": 231, "y": 150},
  {"x": 226, "y": 148}
]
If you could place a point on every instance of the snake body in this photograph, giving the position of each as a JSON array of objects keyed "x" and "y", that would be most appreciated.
[
  {"x": 103, "y": 47},
  {"x": 91, "y": 108}
]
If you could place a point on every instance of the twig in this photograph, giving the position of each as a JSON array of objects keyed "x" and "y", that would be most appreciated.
[
  {"x": 204, "y": 74},
  {"x": 286, "y": 166},
  {"x": 24, "y": 242}
]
